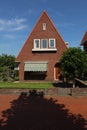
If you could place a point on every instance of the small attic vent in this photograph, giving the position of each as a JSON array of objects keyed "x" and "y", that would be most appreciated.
[{"x": 44, "y": 26}]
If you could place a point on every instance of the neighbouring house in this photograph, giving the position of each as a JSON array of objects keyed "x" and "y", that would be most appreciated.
[
  {"x": 40, "y": 55},
  {"x": 84, "y": 42}
]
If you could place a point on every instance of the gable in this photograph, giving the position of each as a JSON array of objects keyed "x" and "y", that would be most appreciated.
[
  {"x": 44, "y": 29},
  {"x": 84, "y": 39}
]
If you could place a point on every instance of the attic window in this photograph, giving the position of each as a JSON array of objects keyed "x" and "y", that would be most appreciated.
[
  {"x": 44, "y": 26},
  {"x": 44, "y": 43},
  {"x": 52, "y": 43},
  {"x": 37, "y": 43}
]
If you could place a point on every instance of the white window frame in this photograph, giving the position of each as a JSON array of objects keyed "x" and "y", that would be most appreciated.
[
  {"x": 35, "y": 44},
  {"x": 44, "y": 26},
  {"x": 42, "y": 44},
  {"x": 54, "y": 43}
]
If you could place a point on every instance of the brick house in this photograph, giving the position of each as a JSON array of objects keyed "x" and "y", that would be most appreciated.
[
  {"x": 84, "y": 42},
  {"x": 41, "y": 52}
]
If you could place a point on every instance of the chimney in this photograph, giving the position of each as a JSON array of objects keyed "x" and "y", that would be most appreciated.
[{"x": 67, "y": 44}]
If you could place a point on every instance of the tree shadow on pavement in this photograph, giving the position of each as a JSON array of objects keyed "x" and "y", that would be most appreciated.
[{"x": 33, "y": 111}]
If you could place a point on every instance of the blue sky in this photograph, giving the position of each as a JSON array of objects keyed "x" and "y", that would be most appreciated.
[{"x": 18, "y": 17}]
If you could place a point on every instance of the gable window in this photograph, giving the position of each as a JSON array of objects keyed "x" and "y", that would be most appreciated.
[
  {"x": 44, "y": 26},
  {"x": 44, "y": 43},
  {"x": 52, "y": 43},
  {"x": 37, "y": 43}
]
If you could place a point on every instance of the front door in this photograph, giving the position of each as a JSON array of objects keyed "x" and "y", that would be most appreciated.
[{"x": 56, "y": 72}]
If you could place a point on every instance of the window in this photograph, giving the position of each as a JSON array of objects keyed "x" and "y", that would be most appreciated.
[
  {"x": 44, "y": 43},
  {"x": 52, "y": 43},
  {"x": 44, "y": 26},
  {"x": 37, "y": 43}
]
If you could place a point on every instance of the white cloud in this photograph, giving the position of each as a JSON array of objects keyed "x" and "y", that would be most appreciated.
[
  {"x": 30, "y": 11},
  {"x": 66, "y": 25},
  {"x": 12, "y": 24},
  {"x": 1, "y": 28},
  {"x": 15, "y": 21},
  {"x": 9, "y": 36},
  {"x": 2, "y": 22},
  {"x": 55, "y": 13},
  {"x": 21, "y": 27}
]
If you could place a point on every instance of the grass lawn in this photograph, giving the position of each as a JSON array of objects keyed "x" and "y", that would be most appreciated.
[{"x": 22, "y": 85}]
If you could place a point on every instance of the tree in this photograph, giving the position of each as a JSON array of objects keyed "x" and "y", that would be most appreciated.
[
  {"x": 7, "y": 64},
  {"x": 7, "y": 60},
  {"x": 73, "y": 63}
]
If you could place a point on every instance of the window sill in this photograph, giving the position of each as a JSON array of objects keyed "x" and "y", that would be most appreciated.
[{"x": 50, "y": 49}]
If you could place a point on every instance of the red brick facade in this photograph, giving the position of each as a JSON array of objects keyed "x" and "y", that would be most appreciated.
[
  {"x": 84, "y": 42},
  {"x": 50, "y": 55}
]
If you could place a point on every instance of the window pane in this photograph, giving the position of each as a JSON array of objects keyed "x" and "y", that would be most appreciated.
[
  {"x": 52, "y": 43},
  {"x": 44, "y": 43},
  {"x": 37, "y": 44}
]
